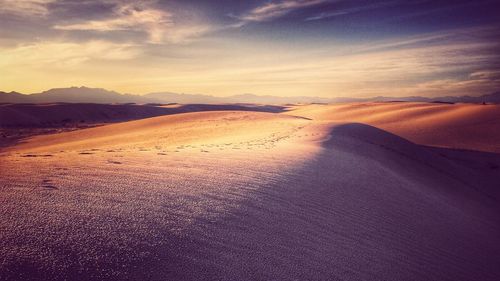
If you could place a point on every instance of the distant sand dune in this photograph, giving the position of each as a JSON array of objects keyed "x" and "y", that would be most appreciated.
[
  {"x": 64, "y": 114},
  {"x": 466, "y": 126},
  {"x": 238, "y": 195}
]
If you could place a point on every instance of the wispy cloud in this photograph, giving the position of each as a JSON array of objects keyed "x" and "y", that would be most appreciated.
[
  {"x": 469, "y": 86},
  {"x": 37, "y": 8},
  {"x": 137, "y": 16},
  {"x": 486, "y": 74},
  {"x": 273, "y": 10},
  {"x": 408, "y": 66},
  {"x": 452, "y": 37},
  {"x": 439, "y": 6},
  {"x": 142, "y": 16},
  {"x": 64, "y": 54},
  {"x": 353, "y": 10}
]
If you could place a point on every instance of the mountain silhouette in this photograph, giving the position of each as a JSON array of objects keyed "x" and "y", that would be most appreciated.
[{"x": 98, "y": 95}]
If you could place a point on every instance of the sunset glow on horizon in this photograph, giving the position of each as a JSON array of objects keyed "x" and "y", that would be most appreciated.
[{"x": 323, "y": 48}]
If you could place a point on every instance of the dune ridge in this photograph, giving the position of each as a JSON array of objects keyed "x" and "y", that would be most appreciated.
[{"x": 462, "y": 126}]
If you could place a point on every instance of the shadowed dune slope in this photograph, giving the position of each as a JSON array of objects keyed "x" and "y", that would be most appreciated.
[
  {"x": 465, "y": 126},
  {"x": 246, "y": 196},
  {"x": 368, "y": 206},
  {"x": 40, "y": 115},
  {"x": 61, "y": 114}
]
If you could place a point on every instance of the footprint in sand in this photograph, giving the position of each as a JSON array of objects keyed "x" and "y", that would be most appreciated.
[{"x": 48, "y": 184}]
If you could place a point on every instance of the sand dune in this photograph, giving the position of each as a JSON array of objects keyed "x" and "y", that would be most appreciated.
[
  {"x": 255, "y": 196},
  {"x": 66, "y": 114},
  {"x": 198, "y": 128},
  {"x": 21, "y": 121},
  {"x": 465, "y": 126}
]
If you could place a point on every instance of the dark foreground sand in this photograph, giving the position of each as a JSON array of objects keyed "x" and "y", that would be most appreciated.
[{"x": 246, "y": 196}]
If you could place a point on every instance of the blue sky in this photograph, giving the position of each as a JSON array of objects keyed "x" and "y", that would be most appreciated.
[{"x": 287, "y": 47}]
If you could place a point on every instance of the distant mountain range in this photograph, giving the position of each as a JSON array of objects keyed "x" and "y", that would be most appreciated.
[{"x": 96, "y": 95}]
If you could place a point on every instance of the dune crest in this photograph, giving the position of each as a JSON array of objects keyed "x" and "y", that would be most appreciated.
[{"x": 463, "y": 126}]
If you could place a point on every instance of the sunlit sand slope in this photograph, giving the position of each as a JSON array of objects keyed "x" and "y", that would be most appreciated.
[
  {"x": 466, "y": 126},
  {"x": 246, "y": 196},
  {"x": 199, "y": 128}
]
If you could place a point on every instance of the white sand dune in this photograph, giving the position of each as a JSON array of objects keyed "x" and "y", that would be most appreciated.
[
  {"x": 197, "y": 128},
  {"x": 251, "y": 196},
  {"x": 464, "y": 126}
]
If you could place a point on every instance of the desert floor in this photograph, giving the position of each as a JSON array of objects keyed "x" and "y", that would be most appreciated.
[{"x": 365, "y": 191}]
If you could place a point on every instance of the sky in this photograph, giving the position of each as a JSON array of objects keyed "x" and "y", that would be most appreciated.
[{"x": 324, "y": 48}]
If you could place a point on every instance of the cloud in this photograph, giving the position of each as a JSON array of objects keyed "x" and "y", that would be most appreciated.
[
  {"x": 447, "y": 69},
  {"x": 160, "y": 25},
  {"x": 472, "y": 86},
  {"x": 273, "y": 10},
  {"x": 357, "y": 9},
  {"x": 486, "y": 74},
  {"x": 64, "y": 54},
  {"x": 23, "y": 8},
  {"x": 138, "y": 16},
  {"x": 128, "y": 16},
  {"x": 406, "y": 66}
]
